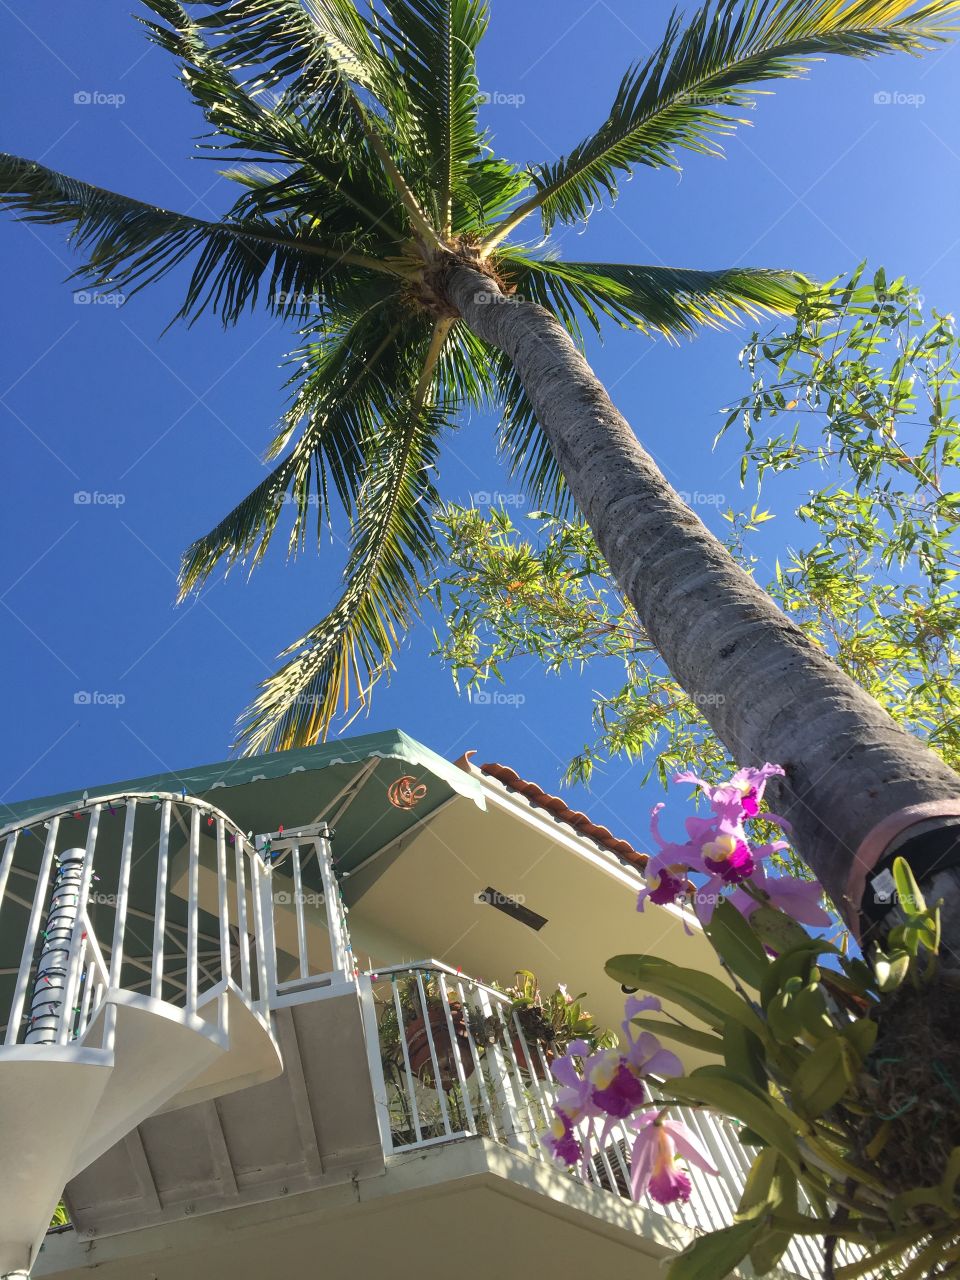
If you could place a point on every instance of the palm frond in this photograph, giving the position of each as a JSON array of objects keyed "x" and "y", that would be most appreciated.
[
  {"x": 392, "y": 556},
  {"x": 490, "y": 187},
  {"x": 673, "y": 301},
  {"x": 329, "y": 179},
  {"x": 688, "y": 93},
  {"x": 129, "y": 244},
  {"x": 345, "y": 385},
  {"x": 524, "y": 446},
  {"x": 321, "y": 55},
  {"x": 316, "y": 50},
  {"x": 433, "y": 43},
  {"x": 465, "y": 372}
]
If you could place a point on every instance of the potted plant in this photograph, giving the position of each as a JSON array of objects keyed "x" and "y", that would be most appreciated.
[
  {"x": 549, "y": 1023},
  {"x": 423, "y": 1020}
]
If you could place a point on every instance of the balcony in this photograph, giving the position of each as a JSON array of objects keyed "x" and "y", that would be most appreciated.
[
  {"x": 433, "y": 1023},
  {"x": 246, "y": 1066}
]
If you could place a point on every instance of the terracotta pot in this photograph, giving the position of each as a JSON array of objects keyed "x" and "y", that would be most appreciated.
[
  {"x": 418, "y": 1046},
  {"x": 541, "y": 1072}
]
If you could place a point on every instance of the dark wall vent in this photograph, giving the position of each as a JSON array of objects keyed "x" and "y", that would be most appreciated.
[{"x": 511, "y": 907}]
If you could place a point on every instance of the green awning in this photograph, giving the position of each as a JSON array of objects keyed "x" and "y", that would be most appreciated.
[
  {"x": 292, "y": 788},
  {"x": 346, "y": 783}
]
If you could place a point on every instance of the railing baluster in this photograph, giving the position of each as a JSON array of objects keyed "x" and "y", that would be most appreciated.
[
  {"x": 608, "y": 1170},
  {"x": 543, "y": 1106},
  {"x": 6, "y": 863},
  {"x": 242, "y": 929},
  {"x": 223, "y": 905},
  {"x": 428, "y": 1029},
  {"x": 301, "y": 918},
  {"x": 193, "y": 908},
  {"x": 510, "y": 1057},
  {"x": 160, "y": 907},
  {"x": 455, "y": 1047},
  {"x": 256, "y": 888},
  {"x": 83, "y": 1020},
  {"x": 33, "y": 929},
  {"x": 501, "y": 1084},
  {"x": 620, "y": 1144},
  {"x": 405, "y": 1052},
  {"x": 482, "y": 1093},
  {"x": 123, "y": 893},
  {"x": 73, "y": 961},
  {"x": 340, "y": 958}
]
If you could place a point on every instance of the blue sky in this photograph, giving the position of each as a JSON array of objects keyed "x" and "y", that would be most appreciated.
[{"x": 861, "y": 160}]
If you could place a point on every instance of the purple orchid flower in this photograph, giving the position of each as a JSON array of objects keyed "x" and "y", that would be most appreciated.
[
  {"x": 644, "y": 1052},
  {"x": 561, "y": 1140},
  {"x": 617, "y": 1076},
  {"x": 728, "y": 855},
  {"x": 654, "y": 1160},
  {"x": 663, "y": 884},
  {"x": 798, "y": 898},
  {"x": 739, "y": 797},
  {"x": 615, "y": 1087}
]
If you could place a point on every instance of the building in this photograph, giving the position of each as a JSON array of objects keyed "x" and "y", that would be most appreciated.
[{"x": 212, "y": 997}]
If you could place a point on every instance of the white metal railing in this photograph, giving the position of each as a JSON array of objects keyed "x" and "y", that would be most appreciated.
[
  {"x": 67, "y": 881},
  {"x": 427, "y": 1022},
  {"x": 307, "y": 941}
]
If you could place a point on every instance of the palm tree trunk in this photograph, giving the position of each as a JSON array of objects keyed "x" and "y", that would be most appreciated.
[{"x": 767, "y": 691}]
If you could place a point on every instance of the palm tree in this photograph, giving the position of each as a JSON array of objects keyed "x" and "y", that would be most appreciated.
[{"x": 374, "y": 213}]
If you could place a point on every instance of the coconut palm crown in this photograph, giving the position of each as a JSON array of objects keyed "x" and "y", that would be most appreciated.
[{"x": 364, "y": 180}]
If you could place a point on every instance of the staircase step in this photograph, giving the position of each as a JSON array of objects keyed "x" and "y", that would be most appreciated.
[
  {"x": 313, "y": 1125},
  {"x": 48, "y": 1097},
  {"x": 157, "y": 1051},
  {"x": 252, "y": 1056}
]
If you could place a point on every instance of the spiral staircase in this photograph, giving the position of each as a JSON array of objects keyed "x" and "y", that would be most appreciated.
[{"x": 122, "y": 995}]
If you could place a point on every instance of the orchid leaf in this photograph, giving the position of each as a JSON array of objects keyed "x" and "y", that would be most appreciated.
[
  {"x": 768, "y": 1120},
  {"x": 690, "y": 1036},
  {"x": 825, "y": 1076},
  {"x": 718, "y": 1253},
  {"x": 909, "y": 898},
  {"x": 743, "y": 1054},
  {"x": 737, "y": 944},
  {"x": 699, "y": 993}
]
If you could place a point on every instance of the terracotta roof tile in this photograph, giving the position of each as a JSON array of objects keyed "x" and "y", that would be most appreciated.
[{"x": 558, "y": 808}]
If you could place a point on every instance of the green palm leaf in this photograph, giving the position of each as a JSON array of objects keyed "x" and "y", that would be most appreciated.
[
  {"x": 317, "y": 50},
  {"x": 673, "y": 301},
  {"x": 130, "y": 244},
  {"x": 328, "y": 178},
  {"x": 687, "y": 94},
  {"x": 433, "y": 43},
  {"x": 321, "y": 55},
  {"x": 345, "y": 386},
  {"x": 392, "y": 556}
]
